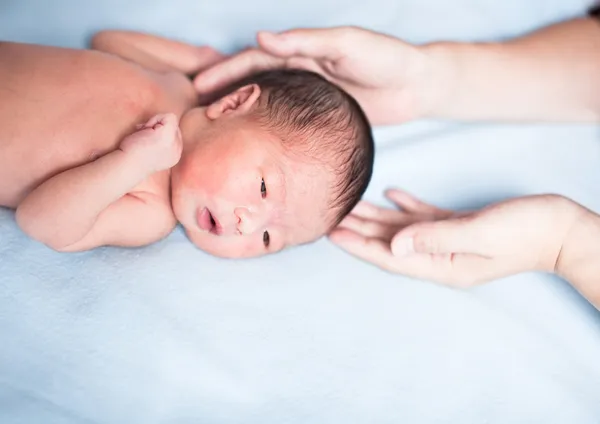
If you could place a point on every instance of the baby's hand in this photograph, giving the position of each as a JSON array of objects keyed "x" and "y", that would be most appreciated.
[{"x": 157, "y": 143}]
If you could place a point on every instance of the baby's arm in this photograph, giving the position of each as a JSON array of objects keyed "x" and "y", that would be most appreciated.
[
  {"x": 156, "y": 53},
  {"x": 579, "y": 258},
  {"x": 94, "y": 204}
]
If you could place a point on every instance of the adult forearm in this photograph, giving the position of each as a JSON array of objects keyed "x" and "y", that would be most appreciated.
[
  {"x": 63, "y": 209},
  {"x": 579, "y": 260},
  {"x": 549, "y": 75}
]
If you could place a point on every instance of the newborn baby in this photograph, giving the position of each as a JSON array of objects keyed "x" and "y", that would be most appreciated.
[{"x": 111, "y": 148}]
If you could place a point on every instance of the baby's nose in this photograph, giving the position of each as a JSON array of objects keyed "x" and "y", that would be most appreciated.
[{"x": 248, "y": 222}]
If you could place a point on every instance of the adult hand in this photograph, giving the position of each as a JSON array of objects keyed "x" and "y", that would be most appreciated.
[
  {"x": 425, "y": 242},
  {"x": 391, "y": 80}
]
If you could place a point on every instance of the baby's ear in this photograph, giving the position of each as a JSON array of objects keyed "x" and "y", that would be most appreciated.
[{"x": 239, "y": 101}]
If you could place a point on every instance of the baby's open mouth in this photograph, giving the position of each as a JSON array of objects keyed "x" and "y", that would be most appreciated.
[{"x": 208, "y": 222}]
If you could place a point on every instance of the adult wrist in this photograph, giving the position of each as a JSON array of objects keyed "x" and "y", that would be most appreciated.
[{"x": 461, "y": 77}]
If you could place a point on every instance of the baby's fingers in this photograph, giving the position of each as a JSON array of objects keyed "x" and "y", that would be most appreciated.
[
  {"x": 152, "y": 122},
  {"x": 160, "y": 120}
]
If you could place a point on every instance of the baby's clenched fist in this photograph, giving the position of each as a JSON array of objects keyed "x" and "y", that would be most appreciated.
[{"x": 157, "y": 143}]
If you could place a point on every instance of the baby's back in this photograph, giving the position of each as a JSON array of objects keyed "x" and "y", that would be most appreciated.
[{"x": 60, "y": 108}]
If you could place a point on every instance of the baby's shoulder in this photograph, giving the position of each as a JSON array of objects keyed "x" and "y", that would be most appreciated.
[
  {"x": 155, "y": 192},
  {"x": 157, "y": 185}
]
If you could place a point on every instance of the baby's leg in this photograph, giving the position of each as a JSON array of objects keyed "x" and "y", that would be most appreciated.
[{"x": 156, "y": 53}]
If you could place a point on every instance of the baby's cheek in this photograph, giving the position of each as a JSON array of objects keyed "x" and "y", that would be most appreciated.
[
  {"x": 197, "y": 178},
  {"x": 213, "y": 176},
  {"x": 226, "y": 247},
  {"x": 242, "y": 247}
]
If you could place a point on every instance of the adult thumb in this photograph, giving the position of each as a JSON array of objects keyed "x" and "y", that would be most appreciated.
[
  {"x": 448, "y": 236},
  {"x": 311, "y": 43}
]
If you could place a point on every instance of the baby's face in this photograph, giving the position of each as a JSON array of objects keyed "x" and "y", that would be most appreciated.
[{"x": 238, "y": 194}]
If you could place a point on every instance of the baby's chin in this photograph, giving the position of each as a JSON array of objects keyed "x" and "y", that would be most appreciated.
[{"x": 227, "y": 247}]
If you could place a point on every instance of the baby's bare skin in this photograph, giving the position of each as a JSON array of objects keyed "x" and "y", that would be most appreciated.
[
  {"x": 110, "y": 148},
  {"x": 88, "y": 137},
  {"x": 62, "y": 108}
]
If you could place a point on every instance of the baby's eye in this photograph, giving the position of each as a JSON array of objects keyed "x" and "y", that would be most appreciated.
[
  {"x": 266, "y": 239},
  {"x": 263, "y": 188}
]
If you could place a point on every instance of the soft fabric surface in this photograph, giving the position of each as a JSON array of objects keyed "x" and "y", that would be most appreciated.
[{"x": 167, "y": 334}]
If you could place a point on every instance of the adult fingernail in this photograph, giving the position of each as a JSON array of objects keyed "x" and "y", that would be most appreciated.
[{"x": 403, "y": 246}]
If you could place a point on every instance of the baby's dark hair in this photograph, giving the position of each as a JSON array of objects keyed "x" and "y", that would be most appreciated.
[{"x": 327, "y": 122}]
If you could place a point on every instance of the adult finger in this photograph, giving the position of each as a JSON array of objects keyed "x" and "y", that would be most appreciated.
[
  {"x": 454, "y": 270},
  {"x": 448, "y": 236},
  {"x": 235, "y": 68},
  {"x": 315, "y": 43},
  {"x": 410, "y": 203},
  {"x": 367, "y": 227},
  {"x": 462, "y": 270},
  {"x": 370, "y": 249},
  {"x": 299, "y": 62},
  {"x": 207, "y": 57},
  {"x": 367, "y": 210}
]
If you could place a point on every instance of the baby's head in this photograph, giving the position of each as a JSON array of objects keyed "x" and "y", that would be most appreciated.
[{"x": 276, "y": 162}]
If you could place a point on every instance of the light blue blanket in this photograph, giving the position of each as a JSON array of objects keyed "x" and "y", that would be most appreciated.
[{"x": 167, "y": 334}]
